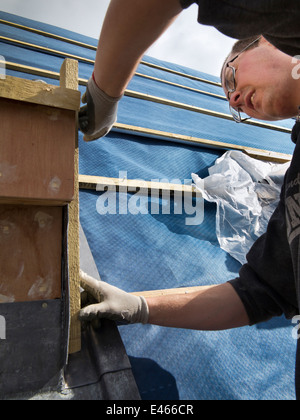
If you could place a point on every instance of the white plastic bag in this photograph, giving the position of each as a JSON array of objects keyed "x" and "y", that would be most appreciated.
[{"x": 246, "y": 192}]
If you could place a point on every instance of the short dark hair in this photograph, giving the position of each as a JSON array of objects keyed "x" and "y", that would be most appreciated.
[{"x": 239, "y": 46}]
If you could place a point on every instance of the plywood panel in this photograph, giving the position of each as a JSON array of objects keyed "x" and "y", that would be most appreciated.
[
  {"x": 30, "y": 257},
  {"x": 37, "y": 145}
]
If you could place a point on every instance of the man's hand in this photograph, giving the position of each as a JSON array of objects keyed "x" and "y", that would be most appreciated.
[
  {"x": 113, "y": 303},
  {"x": 98, "y": 116}
]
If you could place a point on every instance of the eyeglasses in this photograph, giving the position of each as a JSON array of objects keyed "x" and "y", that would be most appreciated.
[{"x": 230, "y": 85}]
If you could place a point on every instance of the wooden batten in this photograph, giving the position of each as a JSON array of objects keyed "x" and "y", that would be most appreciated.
[
  {"x": 259, "y": 154},
  {"x": 99, "y": 183},
  {"x": 69, "y": 80},
  {"x": 175, "y": 291},
  {"x": 40, "y": 93}
]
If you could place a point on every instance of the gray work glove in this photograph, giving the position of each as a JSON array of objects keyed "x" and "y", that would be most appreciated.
[
  {"x": 98, "y": 116},
  {"x": 113, "y": 303}
]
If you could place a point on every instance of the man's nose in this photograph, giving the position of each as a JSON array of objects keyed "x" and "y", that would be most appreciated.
[{"x": 235, "y": 99}]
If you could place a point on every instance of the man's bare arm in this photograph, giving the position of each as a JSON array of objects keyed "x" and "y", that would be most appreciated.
[
  {"x": 129, "y": 29},
  {"x": 213, "y": 308}
]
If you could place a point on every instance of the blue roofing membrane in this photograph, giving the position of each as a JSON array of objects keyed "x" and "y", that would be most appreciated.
[{"x": 153, "y": 250}]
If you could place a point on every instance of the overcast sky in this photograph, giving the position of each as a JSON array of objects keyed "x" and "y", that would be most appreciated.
[{"x": 186, "y": 43}]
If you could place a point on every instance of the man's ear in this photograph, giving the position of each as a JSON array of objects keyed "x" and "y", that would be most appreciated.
[{"x": 264, "y": 41}]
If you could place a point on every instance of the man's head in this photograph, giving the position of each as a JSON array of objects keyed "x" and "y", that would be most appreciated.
[{"x": 263, "y": 86}]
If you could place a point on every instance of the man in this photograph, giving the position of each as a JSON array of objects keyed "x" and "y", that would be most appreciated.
[{"x": 259, "y": 80}]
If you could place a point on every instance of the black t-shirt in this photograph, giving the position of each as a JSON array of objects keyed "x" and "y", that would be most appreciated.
[{"x": 277, "y": 20}]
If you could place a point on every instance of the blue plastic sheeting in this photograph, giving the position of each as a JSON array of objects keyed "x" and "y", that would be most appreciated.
[
  {"x": 159, "y": 249},
  {"x": 160, "y": 160}
]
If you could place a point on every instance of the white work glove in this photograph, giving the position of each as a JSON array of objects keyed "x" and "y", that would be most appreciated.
[
  {"x": 113, "y": 303},
  {"x": 98, "y": 116}
]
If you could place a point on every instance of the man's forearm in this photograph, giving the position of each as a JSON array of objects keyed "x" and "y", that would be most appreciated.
[
  {"x": 214, "y": 308},
  {"x": 130, "y": 28}
]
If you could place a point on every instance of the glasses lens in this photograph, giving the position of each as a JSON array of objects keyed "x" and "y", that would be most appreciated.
[
  {"x": 230, "y": 79},
  {"x": 235, "y": 113},
  {"x": 238, "y": 116}
]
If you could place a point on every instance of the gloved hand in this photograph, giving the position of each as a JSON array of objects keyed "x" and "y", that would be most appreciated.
[
  {"x": 113, "y": 303},
  {"x": 99, "y": 115}
]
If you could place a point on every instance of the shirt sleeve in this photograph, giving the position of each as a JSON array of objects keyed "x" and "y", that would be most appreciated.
[
  {"x": 266, "y": 283},
  {"x": 187, "y": 3}
]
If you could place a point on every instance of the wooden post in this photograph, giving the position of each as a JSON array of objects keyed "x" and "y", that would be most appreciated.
[{"x": 69, "y": 80}]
